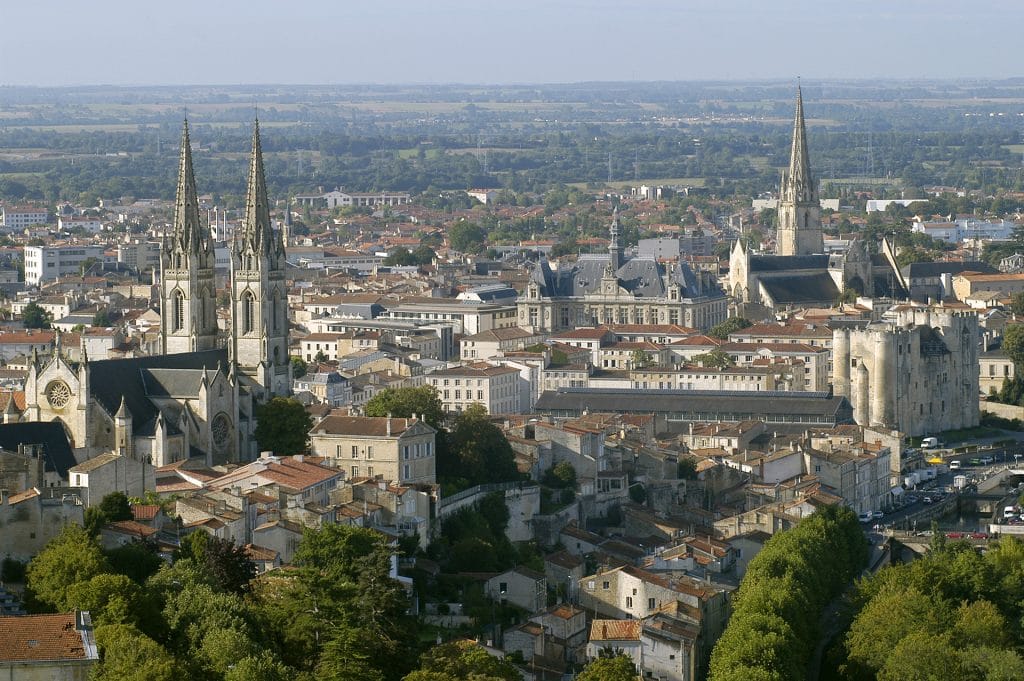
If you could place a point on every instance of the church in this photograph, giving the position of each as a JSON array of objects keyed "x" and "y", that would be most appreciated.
[
  {"x": 198, "y": 399},
  {"x": 801, "y": 274}
]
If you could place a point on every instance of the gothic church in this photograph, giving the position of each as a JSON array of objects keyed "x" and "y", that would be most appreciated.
[{"x": 197, "y": 399}]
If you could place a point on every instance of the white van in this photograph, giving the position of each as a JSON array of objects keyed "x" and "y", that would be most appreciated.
[
  {"x": 930, "y": 443},
  {"x": 1009, "y": 512},
  {"x": 954, "y": 465}
]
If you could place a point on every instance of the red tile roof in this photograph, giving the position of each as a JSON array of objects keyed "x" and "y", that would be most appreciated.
[{"x": 37, "y": 638}]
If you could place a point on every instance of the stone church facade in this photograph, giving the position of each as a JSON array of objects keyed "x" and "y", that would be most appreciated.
[
  {"x": 801, "y": 274},
  {"x": 196, "y": 400}
]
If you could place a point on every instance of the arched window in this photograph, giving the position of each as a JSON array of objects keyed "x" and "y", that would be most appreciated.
[
  {"x": 248, "y": 312},
  {"x": 178, "y": 311}
]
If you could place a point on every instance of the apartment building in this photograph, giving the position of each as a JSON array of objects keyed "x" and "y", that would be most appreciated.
[
  {"x": 392, "y": 449},
  {"x": 44, "y": 263},
  {"x": 494, "y": 387}
]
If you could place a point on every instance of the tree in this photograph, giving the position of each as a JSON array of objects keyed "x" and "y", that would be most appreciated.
[
  {"x": 717, "y": 358},
  {"x": 115, "y": 506},
  {"x": 126, "y": 654},
  {"x": 639, "y": 359},
  {"x": 462, "y": 660},
  {"x": 283, "y": 426},
  {"x": 729, "y": 326},
  {"x": 137, "y": 560},
  {"x": 33, "y": 316},
  {"x": 617, "y": 668},
  {"x": 101, "y": 318},
  {"x": 466, "y": 237},
  {"x": 71, "y": 557},
  {"x": 423, "y": 401},
  {"x": 299, "y": 367},
  {"x": 110, "y": 599},
  {"x": 226, "y": 564},
  {"x": 1017, "y": 304},
  {"x": 477, "y": 451},
  {"x": 1013, "y": 344},
  {"x": 562, "y": 475}
]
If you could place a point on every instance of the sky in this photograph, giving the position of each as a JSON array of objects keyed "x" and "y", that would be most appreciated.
[{"x": 232, "y": 42}]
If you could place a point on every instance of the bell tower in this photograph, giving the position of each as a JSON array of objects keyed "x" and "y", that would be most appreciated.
[
  {"x": 259, "y": 301},
  {"x": 188, "y": 313},
  {"x": 799, "y": 207}
]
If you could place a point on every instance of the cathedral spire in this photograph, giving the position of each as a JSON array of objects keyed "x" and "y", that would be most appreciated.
[
  {"x": 799, "y": 185},
  {"x": 256, "y": 229},
  {"x": 187, "y": 234}
]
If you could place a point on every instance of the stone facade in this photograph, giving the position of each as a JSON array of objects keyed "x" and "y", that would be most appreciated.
[
  {"x": 916, "y": 372},
  {"x": 799, "y": 207}
]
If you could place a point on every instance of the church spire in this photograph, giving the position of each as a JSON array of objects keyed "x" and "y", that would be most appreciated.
[
  {"x": 256, "y": 229},
  {"x": 187, "y": 234},
  {"x": 799, "y": 211},
  {"x": 799, "y": 185}
]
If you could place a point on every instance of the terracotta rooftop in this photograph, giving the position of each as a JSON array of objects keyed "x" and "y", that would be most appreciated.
[
  {"x": 366, "y": 426},
  {"x": 615, "y": 630},
  {"x": 39, "y": 638}
]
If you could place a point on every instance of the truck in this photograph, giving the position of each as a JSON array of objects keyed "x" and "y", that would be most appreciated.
[{"x": 930, "y": 443}]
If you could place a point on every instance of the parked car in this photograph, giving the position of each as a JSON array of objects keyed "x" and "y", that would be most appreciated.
[
  {"x": 986, "y": 460},
  {"x": 864, "y": 517},
  {"x": 927, "y": 500},
  {"x": 877, "y": 515},
  {"x": 954, "y": 465}
]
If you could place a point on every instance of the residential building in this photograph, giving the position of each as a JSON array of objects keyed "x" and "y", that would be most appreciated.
[
  {"x": 400, "y": 450},
  {"x": 110, "y": 472},
  {"x": 46, "y": 263},
  {"x": 19, "y": 218},
  {"x": 139, "y": 255},
  {"x": 522, "y": 587},
  {"x": 58, "y": 647},
  {"x": 494, "y": 387},
  {"x": 92, "y": 225},
  {"x": 995, "y": 368},
  {"x": 30, "y": 519},
  {"x": 293, "y": 476},
  {"x": 494, "y": 342}
]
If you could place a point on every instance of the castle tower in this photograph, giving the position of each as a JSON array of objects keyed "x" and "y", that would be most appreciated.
[
  {"x": 259, "y": 302},
  {"x": 799, "y": 207},
  {"x": 187, "y": 286}
]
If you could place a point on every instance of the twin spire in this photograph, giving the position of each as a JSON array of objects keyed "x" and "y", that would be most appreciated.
[
  {"x": 256, "y": 230},
  {"x": 189, "y": 236}
]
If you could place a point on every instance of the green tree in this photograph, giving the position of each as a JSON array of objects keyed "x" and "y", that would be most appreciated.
[
  {"x": 110, "y": 599},
  {"x": 466, "y": 237},
  {"x": 561, "y": 475},
  {"x": 1017, "y": 304},
  {"x": 283, "y": 426},
  {"x": 101, "y": 318},
  {"x": 115, "y": 506},
  {"x": 1013, "y": 344},
  {"x": 462, "y": 660},
  {"x": 717, "y": 358},
  {"x": 617, "y": 668},
  {"x": 477, "y": 452},
  {"x": 137, "y": 560},
  {"x": 299, "y": 367},
  {"x": 261, "y": 666},
  {"x": 423, "y": 401},
  {"x": 226, "y": 564},
  {"x": 729, "y": 326},
  {"x": 71, "y": 557},
  {"x": 33, "y": 316},
  {"x": 128, "y": 655}
]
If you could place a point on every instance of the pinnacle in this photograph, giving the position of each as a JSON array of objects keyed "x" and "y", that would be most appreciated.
[
  {"x": 799, "y": 185},
  {"x": 187, "y": 233},
  {"x": 256, "y": 229}
]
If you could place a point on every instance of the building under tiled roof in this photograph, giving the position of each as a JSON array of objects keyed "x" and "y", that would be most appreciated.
[{"x": 47, "y": 638}]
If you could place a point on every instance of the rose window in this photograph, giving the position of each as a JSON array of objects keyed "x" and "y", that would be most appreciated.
[{"x": 58, "y": 394}]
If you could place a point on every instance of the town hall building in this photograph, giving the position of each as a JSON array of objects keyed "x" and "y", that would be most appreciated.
[{"x": 198, "y": 399}]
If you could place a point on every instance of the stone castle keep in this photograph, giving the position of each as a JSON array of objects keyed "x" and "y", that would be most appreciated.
[{"x": 916, "y": 373}]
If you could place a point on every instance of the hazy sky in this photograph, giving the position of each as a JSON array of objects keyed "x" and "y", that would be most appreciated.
[{"x": 63, "y": 42}]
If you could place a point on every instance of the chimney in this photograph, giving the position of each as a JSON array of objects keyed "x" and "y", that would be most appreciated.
[{"x": 299, "y": 458}]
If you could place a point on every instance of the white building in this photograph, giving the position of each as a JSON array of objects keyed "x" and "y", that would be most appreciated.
[
  {"x": 43, "y": 263},
  {"x": 17, "y": 218},
  {"x": 495, "y": 387},
  {"x": 89, "y": 224}
]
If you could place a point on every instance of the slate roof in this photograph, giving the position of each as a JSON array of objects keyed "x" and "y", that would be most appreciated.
[
  {"x": 802, "y": 289},
  {"x": 788, "y": 407},
  {"x": 643, "y": 277},
  {"x": 785, "y": 263},
  {"x": 933, "y": 269},
  {"x": 140, "y": 378},
  {"x": 50, "y": 434}
]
